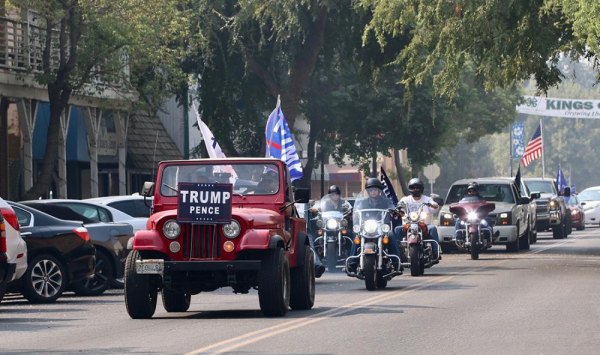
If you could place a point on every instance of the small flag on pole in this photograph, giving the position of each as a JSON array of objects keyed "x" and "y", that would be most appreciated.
[
  {"x": 561, "y": 182},
  {"x": 280, "y": 142},
  {"x": 388, "y": 188},
  {"x": 534, "y": 148},
  {"x": 518, "y": 180}
]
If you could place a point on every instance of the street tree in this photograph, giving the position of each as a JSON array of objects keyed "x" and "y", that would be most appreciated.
[
  {"x": 506, "y": 41},
  {"x": 83, "y": 40}
]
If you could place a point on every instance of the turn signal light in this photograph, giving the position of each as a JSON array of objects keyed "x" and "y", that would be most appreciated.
[
  {"x": 320, "y": 232},
  {"x": 344, "y": 231},
  {"x": 357, "y": 240},
  {"x": 386, "y": 240},
  {"x": 228, "y": 246}
]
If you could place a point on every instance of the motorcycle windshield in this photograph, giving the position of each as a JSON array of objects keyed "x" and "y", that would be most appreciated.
[
  {"x": 332, "y": 204},
  {"x": 371, "y": 204}
]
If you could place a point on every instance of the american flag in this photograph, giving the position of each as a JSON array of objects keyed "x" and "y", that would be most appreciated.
[{"x": 534, "y": 148}]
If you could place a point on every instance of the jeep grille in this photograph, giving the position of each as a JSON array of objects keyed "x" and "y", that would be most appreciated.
[{"x": 201, "y": 241}]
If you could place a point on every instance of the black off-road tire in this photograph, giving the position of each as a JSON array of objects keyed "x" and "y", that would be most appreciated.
[
  {"x": 140, "y": 296},
  {"x": 102, "y": 280},
  {"x": 274, "y": 284},
  {"x": 524, "y": 242},
  {"x": 175, "y": 301},
  {"x": 370, "y": 271},
  {"x": 45, "y": 279},
  {"x": 2, "y": 290},
  {"x": 302, "y": 295},
  {"x": 414, "y": 253}
]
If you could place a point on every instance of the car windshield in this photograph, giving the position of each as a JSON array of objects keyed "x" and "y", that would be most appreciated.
[
  {"x": 489, "y": 192},
  {"x": 546, "y": 186},
  {"x": 247, "y": 178},
  {"x": 589, "y": 195}
]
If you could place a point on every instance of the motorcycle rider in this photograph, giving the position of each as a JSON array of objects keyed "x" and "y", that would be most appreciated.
[
  {"x": 377, "y": 200},
  {"x": 335, "y": 203},
  {"x": 414, "y": 201},
  {"x": 472, "y": 195}
]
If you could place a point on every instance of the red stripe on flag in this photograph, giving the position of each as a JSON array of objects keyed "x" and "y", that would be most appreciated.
[{"x": 274, "y": 145}]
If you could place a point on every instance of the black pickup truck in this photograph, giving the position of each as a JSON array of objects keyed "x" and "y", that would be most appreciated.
[{"x": 552, "y": 211}]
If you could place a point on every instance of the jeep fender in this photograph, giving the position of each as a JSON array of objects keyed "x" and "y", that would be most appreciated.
[
  {"x": 297, "y": 257},
  {"x": 149, "y": 240},
  {"x": 259, "y": 239}
]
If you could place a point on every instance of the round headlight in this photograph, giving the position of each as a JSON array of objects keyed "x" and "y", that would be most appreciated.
[
  {"x": 332, "y": 224},
  {"x": 472, "y": 216},
  {"x": 386, "y": 228},
  {"x": 423, "y": 215},
  {"x": 320, "y": 223},
  {"x": 171, "y": 229},
  {"x": 232, "y": 229},
  {"x": 356, "y": 229},
  {"x": 413, "y": 216},
  {"x": 552, "y": 203},
  {"x": 344, "y": 223},
  {"x": 371, "y": 226}
]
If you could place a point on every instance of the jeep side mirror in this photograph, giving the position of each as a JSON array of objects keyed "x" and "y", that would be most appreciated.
[
  {"x": 301, "y": 195},
  {"x": 534, "y": 195},
  {"x": 147, "y": 189},
  {"x": 524, "y": 200}
]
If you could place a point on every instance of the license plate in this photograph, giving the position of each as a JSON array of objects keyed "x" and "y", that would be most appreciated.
[{"x": 149, "y": 266}]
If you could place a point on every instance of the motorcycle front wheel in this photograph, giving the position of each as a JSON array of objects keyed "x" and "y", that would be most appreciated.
[
  {"x": 370, "y": 271},
  {"x": 415, "y": 260},
  {"x": 474, "y": 246},
  {"x": 331, "y": 257}
]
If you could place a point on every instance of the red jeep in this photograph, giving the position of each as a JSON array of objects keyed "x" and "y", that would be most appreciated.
[{"x": 217, "y": 223}]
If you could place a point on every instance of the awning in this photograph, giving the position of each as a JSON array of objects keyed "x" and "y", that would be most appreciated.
[{"x": 148, "y": 143}]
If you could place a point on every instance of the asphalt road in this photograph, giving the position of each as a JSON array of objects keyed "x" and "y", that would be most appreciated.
[{"x": 544, "y": 301}]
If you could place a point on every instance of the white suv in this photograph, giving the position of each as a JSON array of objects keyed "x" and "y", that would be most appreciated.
[{"x": 13, "y": 250}]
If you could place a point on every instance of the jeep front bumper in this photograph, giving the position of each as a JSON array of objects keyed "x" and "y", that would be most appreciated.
[{"x": 162, "y": 267}]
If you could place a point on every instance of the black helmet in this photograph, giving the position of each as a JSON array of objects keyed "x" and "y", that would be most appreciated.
[
  {"x": 473, "y": 186},
  {"x": 334, "y": 189},
  {"x": 373, "y": 182},
  {"x": 416, "y": 187}
]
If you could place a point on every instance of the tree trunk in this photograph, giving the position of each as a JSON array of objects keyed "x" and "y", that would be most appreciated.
[
  {"x": 59, "y": 89},
  {"x": 400, "y": 173}
]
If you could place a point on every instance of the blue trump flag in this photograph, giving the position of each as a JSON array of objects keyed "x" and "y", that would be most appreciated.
[
  {"x": 280, "y": 143},
  {"x": 388, "y": 188},
  {"x": 561, "y": 182}
]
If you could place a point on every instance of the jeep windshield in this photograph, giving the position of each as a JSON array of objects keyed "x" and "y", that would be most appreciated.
[
  {"x": 545, "y": 186},
  {"x": 247, "y": 178},
  {"x": 489, "y": 192}
]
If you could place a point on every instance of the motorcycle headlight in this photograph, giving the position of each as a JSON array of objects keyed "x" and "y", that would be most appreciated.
[
  {"x": 232, "y": 229},
  {"x": 471, "y": 216},
  {"x": 413, "y": 216},
  {"x": 171, "y": 229},
  {"x": 332, "y": 224},
  {"x": 385, "y": 228},
  {"x": 484, "y": 222},
  {"x": 356, "y": 229},
  {"x": 574, "y": 212},
  {"x": 320, "y": 223},
  {"x": 370, "y": 226},
  {"x": 344, "y": 223},
  {"x": 423, "y": 215}
]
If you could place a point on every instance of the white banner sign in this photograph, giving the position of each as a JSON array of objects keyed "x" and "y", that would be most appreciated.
[{"x": 553, "y": 107}]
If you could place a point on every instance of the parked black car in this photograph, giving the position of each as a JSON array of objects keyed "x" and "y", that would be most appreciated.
[
  {"x": 59, "y": 254},
  {"x": 110, "y": 240}
]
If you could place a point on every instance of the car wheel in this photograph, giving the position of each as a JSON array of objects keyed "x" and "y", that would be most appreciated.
[
  {"x": 274, "y": 283},
  {"x": 175, "y": 301},
  {"x": 303, "y": 282},
  {"x": 140, "y": 294},
  {"x": 100, "y": 282},
  {"x": 45, "y": 279}
]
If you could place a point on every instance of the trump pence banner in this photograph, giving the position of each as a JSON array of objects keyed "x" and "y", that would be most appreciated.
[
  {"x": 204, "y": 203},
  {"x": 553, "y": 107}
]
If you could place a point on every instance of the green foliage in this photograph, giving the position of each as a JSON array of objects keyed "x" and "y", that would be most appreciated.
[{"x": 507, "y": 40}]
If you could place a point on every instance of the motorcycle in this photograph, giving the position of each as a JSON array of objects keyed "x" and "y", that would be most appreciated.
[
  {"x": 372, "y": 229},
  {"x": 415, "y": 243},
  {"x": 333, "y": 243},
  {"x": 476, "y": 235}
]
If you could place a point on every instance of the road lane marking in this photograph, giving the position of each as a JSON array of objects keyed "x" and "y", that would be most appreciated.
[
  {"x": 258, "y": 335},
  {"x": 265, "y": 333}
]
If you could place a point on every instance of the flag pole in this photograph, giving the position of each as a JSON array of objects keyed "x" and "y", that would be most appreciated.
[{"x": 542, "y": 136}]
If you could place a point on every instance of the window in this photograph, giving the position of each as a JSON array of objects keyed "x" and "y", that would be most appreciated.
[{"x": 24, "y": 217}]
